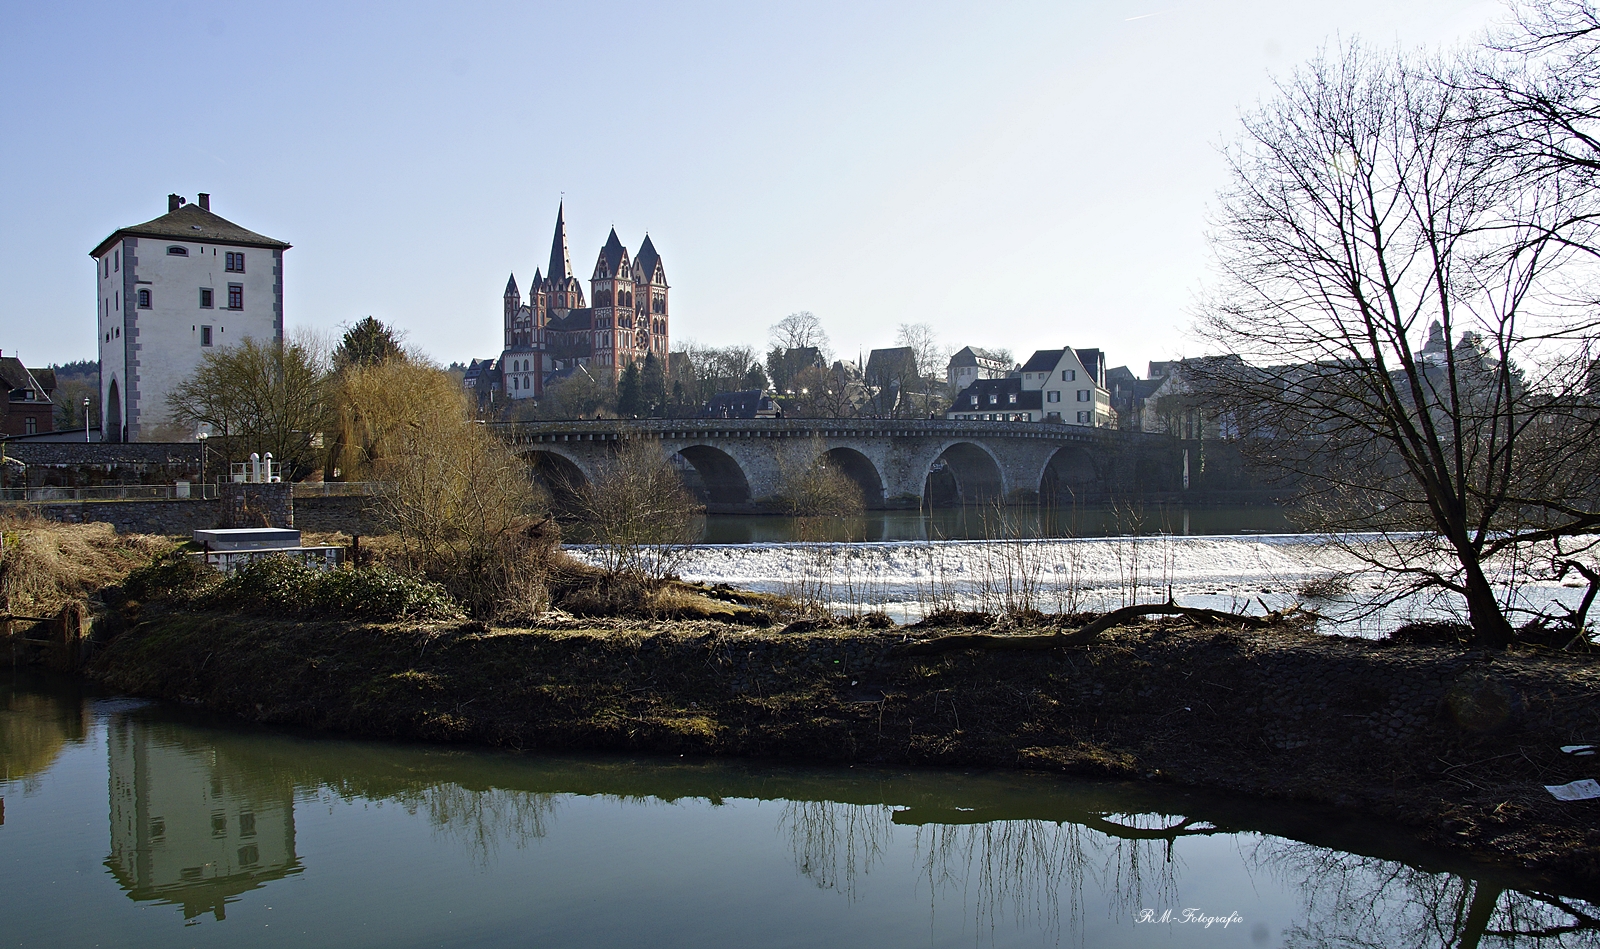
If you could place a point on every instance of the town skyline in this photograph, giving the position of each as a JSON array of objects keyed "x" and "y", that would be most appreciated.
[{"x": 1032, "y": 180}]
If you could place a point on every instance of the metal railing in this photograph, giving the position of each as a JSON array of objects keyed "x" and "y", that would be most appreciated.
[
  {"x": 336, "y": 489},
  {"x": 181, "y": 491}
]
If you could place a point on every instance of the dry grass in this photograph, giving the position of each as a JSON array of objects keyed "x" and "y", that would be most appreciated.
[{"x": 45, "y": 565}]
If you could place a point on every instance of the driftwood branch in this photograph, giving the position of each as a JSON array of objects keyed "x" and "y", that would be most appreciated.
[{"x": 1090, "y": 632}]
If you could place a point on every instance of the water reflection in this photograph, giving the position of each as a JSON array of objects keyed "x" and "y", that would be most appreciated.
[
  {"x": 34, "y": 728},
  {"x": 1354, "y": 900},
  {"x": 191, "y": 824},
  {"x": 202, "y": 813}
]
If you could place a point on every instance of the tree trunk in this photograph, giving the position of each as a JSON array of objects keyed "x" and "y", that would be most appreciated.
[{"x": 1490, "y": 628}]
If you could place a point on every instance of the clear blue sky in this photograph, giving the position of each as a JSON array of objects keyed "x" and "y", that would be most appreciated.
[{"x": 1019, "y": 175}]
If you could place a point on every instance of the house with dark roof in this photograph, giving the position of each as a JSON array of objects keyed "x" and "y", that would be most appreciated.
[
  {"x": 971, "y": 364},
  {"x": 997, "y": 400},
  {"x": 624, "y": 318},
  {"x": 1072, "y": 386},
  {"x": 168, "y": 291},
  {"x": 752, "y": 403},
  {"x": 29, "y": 408}
]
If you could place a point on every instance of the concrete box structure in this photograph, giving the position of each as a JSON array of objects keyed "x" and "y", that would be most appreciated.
[
  {"x": 248, "y": 538},
  {"x": 168, "y": 291}
]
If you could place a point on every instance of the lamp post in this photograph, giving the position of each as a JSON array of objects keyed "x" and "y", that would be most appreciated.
[{"x": 85, "y": 418}]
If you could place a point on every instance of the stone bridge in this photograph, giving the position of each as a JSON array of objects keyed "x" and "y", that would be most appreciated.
[{"x": 736, "y": 465}]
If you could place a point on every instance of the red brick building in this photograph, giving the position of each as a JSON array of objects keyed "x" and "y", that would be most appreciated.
[{"x": 29, "y": 409}]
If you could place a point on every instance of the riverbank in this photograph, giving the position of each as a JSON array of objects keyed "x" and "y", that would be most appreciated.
[{"x": 1455, "y": 744}]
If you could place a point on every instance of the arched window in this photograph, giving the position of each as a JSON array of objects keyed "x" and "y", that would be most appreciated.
[
  {"x": 176, "y": 251},
  {"x": 144, "y": 299}
]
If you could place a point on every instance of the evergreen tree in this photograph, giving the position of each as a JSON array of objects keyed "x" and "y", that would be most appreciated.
[
  {"x": 756, "y": 378},
  {"x": 629, "y": 392},
  {"x": 653, "y": 386},
  {"x": 367, "y": 343}
]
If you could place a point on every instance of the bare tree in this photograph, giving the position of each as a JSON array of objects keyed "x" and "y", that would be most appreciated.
[
  {"x": 924, "y": 342},
  {"x": 637, "y": 513},
  {"x": 798, "y": 331},
  {"x": 264, "y": 396},
  {"x": 1396, "y": 292}
]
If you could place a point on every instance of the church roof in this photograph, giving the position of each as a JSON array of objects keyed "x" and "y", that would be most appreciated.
[
  {"x": 560, "y": 260},
  {"x": 511, "y": 286},
  {"x": 648, "y": 260},
  {"x": 611, "y": 256},
  {"x": 191, "y": 223}
]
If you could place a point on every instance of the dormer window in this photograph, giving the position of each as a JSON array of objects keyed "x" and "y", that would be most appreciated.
[
  {"x": 974, "y": 400},
  {"x": 994, "y": 399},
  {"x": 1012, "y": 398},
  {"x": 176, "y": 251}
]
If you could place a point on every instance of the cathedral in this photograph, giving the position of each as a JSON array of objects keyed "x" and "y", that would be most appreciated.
[{"x": 555, "y": 330}]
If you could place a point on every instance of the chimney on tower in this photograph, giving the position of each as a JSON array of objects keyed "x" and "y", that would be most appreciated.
[
  {"x": 174, "y": 202},
  {"x": 204, "y": 201}
]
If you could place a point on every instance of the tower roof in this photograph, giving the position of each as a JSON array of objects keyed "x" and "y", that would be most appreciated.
[
  {"x": 611, "y": 256},
  {"x": 560, "y": 260},
  {"x": 194, "y": 224},
  {"x": 648, "y": 260},
  {"x": 511, "y": 286}
]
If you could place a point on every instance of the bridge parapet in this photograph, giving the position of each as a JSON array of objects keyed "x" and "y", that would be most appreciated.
[{"x": 614, "y": 429}]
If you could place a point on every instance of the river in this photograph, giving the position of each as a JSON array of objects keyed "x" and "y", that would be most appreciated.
[{"x": 128, "y": 823}]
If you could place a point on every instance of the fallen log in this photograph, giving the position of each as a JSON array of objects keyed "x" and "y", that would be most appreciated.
[{"x": 1091, "y": 631}]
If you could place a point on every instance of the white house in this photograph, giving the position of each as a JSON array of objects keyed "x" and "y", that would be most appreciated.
[
  {"x": 170, "y": 290},
  {"x": 971, "y": 364},
  {"x": 1072, "y": 386}
]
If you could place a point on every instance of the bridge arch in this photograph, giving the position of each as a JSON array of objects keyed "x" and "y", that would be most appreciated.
[
  {"x": 1069, "y": 475},
  {"x": 963, "y": 473},
  {"x": 713, "y": 475},
  {"x": 860, "y": 469},
  {"x": 561, "y": 476}
]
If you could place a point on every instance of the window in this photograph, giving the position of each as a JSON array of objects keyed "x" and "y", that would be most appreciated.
[
  {"x": 144, "y": 299},
  {"x": 1083, "y": 395},
  {"x": 1012, "y": 399},
  {"x": 235, "y": 262},
  {"x": 107, "y": 262},
  {"x": 1068, "y": 375},
  {"x": 994, "y": 399},
  {"x": 206, "y": 298},
  {"x": 974, "y": 400},
  {"x": 1083, "y": 418},
  {"x": 176, "y": 251},
  {"x": 29, "y": 425},
  {"x": 235, "y": 296},
  {"x": 1054, "y": 395},
  {"x": 205, "y": 336},
  {"x": 116, "y": 260}
]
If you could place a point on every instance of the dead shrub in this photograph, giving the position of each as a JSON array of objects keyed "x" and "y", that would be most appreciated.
[
  {"x": 637, "y": 514},
  {"x": 45, "y": 565}
]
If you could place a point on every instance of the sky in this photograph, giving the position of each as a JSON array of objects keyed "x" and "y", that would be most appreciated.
[{"x": 1017, "y": 175}]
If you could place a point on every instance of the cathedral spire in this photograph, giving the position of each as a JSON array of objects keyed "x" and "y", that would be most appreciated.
[{"x": 560, "y": 260}]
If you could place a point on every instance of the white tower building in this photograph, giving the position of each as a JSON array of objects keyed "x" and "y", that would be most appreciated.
[{"x": 169, "y": 291}]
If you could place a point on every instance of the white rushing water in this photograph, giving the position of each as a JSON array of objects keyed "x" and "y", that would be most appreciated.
[{"x": 1236, "y": 573}]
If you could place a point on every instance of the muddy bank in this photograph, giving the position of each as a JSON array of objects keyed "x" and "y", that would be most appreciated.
[{"x": 1456, "y": 744}]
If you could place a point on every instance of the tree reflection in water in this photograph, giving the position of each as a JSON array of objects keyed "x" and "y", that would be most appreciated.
[
  {"x": 1014, "y": 870},
  {"x": 482, "y": 820},
  {"x": 1355, "y": 901}
]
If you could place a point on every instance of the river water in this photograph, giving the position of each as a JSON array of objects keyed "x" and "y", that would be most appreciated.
[{"x": 128, "y": 823}]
